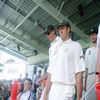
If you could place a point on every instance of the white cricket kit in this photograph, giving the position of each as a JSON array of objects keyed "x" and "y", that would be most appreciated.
[
  {"x": 54, "y": 46},
  {"x": 68, "y": 61},
  {"x": 90, "y": 63},
  {"x": 91, "y": 59}
]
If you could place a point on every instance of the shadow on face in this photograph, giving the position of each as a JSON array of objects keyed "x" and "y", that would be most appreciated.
[{"x": 93, "y": 37}]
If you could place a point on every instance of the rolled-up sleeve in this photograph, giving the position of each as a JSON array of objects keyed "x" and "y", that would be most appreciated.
[{"x": 79, "y": 59}]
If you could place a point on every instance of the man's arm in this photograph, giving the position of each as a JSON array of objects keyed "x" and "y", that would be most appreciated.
[
  {"x": 97, "y": 79},
  {"x": 48, "y": 86},
  {"x": 79, "y": 84},
  {"x": 86, "y": 75},
  {"x": 98, "y": 61},
  {"x": 40, "y": 80}
]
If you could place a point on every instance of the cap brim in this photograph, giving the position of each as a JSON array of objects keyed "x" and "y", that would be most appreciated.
[
  {"x": 60, "y": 25},
  {"x": 48, "y": 30},
  {"x": 45, "y": 32},
  {"x": 93, "y": 32}
]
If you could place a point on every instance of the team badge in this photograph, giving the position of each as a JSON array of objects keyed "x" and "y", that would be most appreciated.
[
  {"x": 66, "y": 50},
  {"x": 50, "y": 52},
  {"x": 61, "y": 21},
  {"x": 55, "y": 52},
  {"x": 56, "y": 47},
  {"x": 89, "y": 52},
  {"x": 46, "y": 29},
  {"x": 81, "y": 57}
]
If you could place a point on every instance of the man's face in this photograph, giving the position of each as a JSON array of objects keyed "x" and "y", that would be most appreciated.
[
  {"x": 93, "y": 37},
  {"x": 27, "y": 85},
  {"x": 39, "y": 73},
  {"x": 50, "y": 35},
  {"x": 63, "y": 30}
]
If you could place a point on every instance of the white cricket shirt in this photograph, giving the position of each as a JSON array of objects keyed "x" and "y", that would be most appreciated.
[
  {"x": 91, "y": 58},
  {"x": 54, "y": 46},
  {"x": 67, "y": 61}
]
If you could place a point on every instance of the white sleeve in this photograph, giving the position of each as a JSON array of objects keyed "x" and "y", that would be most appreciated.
[
  {"x": 48, "y": 70},
  {"x": 79, "y": 59},
  {"x": 50, "y": 67},
  {"x": 86, "y": 59}
]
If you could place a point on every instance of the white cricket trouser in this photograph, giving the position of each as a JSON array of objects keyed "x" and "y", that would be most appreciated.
[
  {"x": 90, "y": 82},
  {"x": 60, "y": 91}
]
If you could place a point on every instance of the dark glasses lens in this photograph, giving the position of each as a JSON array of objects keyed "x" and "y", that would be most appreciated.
[{"x": 48, "y": 33}]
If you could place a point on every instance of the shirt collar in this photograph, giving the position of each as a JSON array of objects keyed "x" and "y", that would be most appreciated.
[
  {"x": 26, "y": 93},
  {"x": 93, "y": 46},
  {"x": 66, "y": 42},
  {"x": 54, "y": 41}
]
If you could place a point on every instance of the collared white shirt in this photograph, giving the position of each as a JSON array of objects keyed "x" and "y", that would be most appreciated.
[
  {"x": 54, "y": 46},
  {"x": 27, "y": 96},
  {"x": 91, "y": 58},
  {"x": 67, "y": 61}
]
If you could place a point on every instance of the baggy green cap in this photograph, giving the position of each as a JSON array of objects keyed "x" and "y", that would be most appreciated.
[
  {"x": 93, "y": 30},
  {"x": 64, "y": 22},
  {"x": 49, "y": 27}
]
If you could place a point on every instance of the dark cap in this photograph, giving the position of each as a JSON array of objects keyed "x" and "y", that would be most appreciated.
[
  {"x": 64, "y": 22},
  {"x": 93, "y": 30},
  {"x": 49, "y": 27},
  {"x": 39, "y": 71}
]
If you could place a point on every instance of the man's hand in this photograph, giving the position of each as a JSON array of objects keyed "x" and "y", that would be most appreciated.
[
  {"x": 48, "y": 86},
  {"x": 97, "y": 79},
  {"x": 84, "y": 88},
  {"x": 40, "y": 80},
  {"x": 85, "y": 82}
]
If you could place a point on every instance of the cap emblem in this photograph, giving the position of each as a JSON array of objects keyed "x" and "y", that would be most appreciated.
[
  {"x": 61, "y": 21},
  {"x": 92, "y": 30}
]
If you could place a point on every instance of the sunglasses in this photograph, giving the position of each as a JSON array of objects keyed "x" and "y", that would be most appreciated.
[
  {"x": 48, "y": 33},
  {"x": 27, "y": 83}
]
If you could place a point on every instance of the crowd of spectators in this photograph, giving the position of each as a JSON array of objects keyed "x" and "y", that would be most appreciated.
[{"x": 25, "y": 89}]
